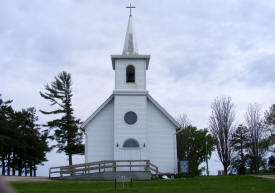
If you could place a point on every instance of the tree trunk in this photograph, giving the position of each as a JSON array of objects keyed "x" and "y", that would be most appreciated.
[
  {"x": 13, "y": 169},
  {"x": 9, "y": 166},
  {"x": 258, "y": 165},
  {"x": 207, "y": 170},
  {"x": 20, "y": 168},
  {"x": 13, "y": 164},
  {"x": 70, "y": 159},
  {"x": 34, "y": 170},
  {"x": 26, "y": 170},
  {"x": 3, "y": 166},
  {"x": 31, "y": 169},
  {"x": 225, "y": 169}
]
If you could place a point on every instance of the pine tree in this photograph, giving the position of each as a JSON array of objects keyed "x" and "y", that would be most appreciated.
[
  {"x": 67, "y": 131},
  {"x": 5, "y": 134},
  {"x": 35, "y": 142},
  {"x": 270, "y": 120},
  {"x": 271, "y": 163},
  {"x": 239, "y": 143},
  {"x": 22, "y": 144}
]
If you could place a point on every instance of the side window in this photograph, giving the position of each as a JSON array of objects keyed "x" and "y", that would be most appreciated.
[{"x": 130, "y": 73}]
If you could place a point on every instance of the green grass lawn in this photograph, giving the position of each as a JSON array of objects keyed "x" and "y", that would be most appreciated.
[{"x": 212, "y": 184}]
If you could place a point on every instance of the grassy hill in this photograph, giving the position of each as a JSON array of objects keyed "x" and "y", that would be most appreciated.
[{"x": 211, "y": 184}]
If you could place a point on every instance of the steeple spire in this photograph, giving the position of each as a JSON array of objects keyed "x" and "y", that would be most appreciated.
[{"x": 130, "y": 44}]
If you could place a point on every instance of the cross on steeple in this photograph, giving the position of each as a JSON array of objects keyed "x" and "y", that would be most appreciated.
[{"x": 130, "y": 7}]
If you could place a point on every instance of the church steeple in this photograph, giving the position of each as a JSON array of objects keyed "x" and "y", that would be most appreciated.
[
  {"x": 130, "y": 67},
  {"x": 130, "y": 43}
]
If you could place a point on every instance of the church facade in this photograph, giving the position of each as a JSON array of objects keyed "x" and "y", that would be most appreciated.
[{"x": 130, "y": 124}]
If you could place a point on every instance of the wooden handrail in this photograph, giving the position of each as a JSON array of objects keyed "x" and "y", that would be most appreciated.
[
  {"x": 153, "y": 165},
  {"x": 104, "y": 166}
]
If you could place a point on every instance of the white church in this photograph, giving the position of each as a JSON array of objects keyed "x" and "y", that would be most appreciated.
[{"x": 130, "y": 124}]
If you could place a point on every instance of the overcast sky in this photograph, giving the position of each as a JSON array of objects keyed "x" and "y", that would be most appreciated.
[{"x": 200, "y": 49}]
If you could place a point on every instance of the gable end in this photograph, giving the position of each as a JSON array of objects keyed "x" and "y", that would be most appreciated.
[
  {"x": 167, "y": 115},
  {"x": 90, "y": 118}
]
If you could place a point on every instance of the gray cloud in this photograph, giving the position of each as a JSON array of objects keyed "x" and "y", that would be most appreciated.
[{"x": 262, "y": 70}]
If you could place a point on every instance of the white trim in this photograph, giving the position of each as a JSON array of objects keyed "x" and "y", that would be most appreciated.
[
  {"x": 97, "y": 111},
  {"x": 163, "y": 111},
  {"x": 132, "y": 93},
  {"x": 175, "y": 153},
  {"x": 132, "y": 57},
  {"x": 86, "y": 148}
]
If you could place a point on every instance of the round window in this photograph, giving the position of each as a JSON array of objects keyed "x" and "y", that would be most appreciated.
[{"x": 130, "y": 117}]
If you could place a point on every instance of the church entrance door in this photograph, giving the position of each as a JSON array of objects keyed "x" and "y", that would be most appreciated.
[
  {"x": 130, "y": 154},
  {"x": 130, "y": 150}
]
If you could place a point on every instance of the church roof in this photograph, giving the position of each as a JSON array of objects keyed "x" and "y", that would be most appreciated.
[
  {"x": 149, "y": 97},
  {"x": 97, "y": 111},
  {"x": 130, "y": 43},
  {"x": 163, "y": 111}
]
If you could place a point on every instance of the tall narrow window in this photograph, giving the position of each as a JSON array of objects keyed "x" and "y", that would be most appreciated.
[{"x": 130, "y": 73}]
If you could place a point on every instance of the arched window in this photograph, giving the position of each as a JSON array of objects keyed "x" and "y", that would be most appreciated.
[
  {"x": 131, "y": 143},
  {"x": 130, "y": 73}
]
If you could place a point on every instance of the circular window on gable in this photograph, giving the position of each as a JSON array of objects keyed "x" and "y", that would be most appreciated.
[{"x": 130, "y": 117}]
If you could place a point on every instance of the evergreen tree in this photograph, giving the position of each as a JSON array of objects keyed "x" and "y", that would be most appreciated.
[
  {"x": 5, "y": 134},
  {"x": 271, "y": 163},
  {"x": 30, "y": 144},
  {"x": 270, "y": 120},
  {"x": 22, "y": 144},
  {"x": 239, "y": 141},
  {"x": 36, "y": 145},
  {"x": 67, "y": 131}
]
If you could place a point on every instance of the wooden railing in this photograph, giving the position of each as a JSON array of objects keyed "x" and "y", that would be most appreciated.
[{"x": 103, "y": 166}]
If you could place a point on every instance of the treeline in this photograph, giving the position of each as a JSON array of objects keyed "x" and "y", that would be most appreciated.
[
  {"x": 23, "y": 145},
  {"x": 242, "y": 148}
]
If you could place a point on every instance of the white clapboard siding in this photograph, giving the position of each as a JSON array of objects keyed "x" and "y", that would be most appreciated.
[
  {"x": 100, "y": 135},
  {"x": 122, "y": 130},
  {"x": 140, "y": 75},
  {"x": 161, "y": 140}
]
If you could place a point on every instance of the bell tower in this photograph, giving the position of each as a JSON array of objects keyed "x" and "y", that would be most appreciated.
[
  {"x": 130, "y": 67},
  {"x": 130, "y": 99}
]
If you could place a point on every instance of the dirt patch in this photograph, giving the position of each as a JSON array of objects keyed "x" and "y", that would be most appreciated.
[
  {"x": 24, "y": 179},
  {"x": 266, "y": 176}
]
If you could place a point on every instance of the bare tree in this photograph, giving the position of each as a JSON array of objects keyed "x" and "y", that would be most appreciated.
[
  {"x": 258, "y": 145},
  {"x": 221, "y": 126},
  {"x": 184, "y": 121}
]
